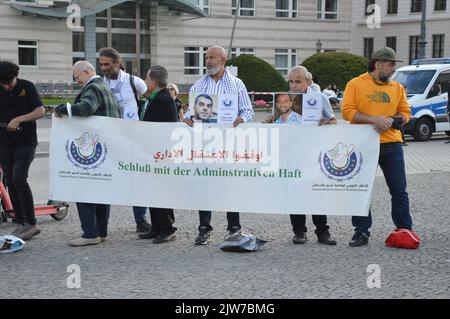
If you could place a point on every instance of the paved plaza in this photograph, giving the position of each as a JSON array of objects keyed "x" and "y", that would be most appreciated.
[{"x": 124, "y": 267}]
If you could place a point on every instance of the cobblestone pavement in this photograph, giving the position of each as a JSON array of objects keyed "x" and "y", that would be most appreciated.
[{"x": 124, "y": 267}]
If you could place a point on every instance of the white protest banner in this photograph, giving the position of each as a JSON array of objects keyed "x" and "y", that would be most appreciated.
[
  {"x": 312, "y": 108},
  {"x": 260, "y": 168}
]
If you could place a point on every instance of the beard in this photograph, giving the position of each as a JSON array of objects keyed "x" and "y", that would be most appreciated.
[
  {"x": 211, "y": 70},
  {"x": 384, "y": 78},
  {"x": 287, "y": 111},
  {"x": 112, "y": 74}
]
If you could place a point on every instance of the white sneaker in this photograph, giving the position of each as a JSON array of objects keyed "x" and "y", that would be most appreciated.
[{"x": 84, "y": 241}]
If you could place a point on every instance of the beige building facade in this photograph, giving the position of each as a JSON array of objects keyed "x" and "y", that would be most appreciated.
[
  {"x": 36, "y": 34},
  {"x": 399, "y": 28}
]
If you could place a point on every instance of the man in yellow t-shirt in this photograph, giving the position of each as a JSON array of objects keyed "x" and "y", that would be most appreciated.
[{"x": 372, "y": 98}]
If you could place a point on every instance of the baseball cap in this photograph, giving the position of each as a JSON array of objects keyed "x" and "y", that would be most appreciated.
[{"x": 385, "y": 53}]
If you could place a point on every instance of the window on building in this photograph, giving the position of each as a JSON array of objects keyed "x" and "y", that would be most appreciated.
[
  {"x": 28, "y": 53},
  {"x": 240, "y": 51},
  {"x": 286, "y": 9},
  {"x": 366, "y": 8},
  {"x": 368, "y": 48},
  {"x": 101, "y": 40},
  {"x": 438, "y": 45},
  {"x": 391, "y": 42},
  {"x": 392, "y": 7},
  {"x": 145, "y": 44},
  {"x": 413, "y": 48},
  {"x": 285, "y": 59},
  {"x": 203, "y": 4},
  {"x": 327, "y": 9},
  {"x": 78, "y": 41},
  {"x": 124, "y": 43},
  {"x": 440, "y": 5},
  {"x": 76, "y": 59},
  {"x": 101, "y": 19},
  {"x": 25, "y": 1},
  {"x": 145, "y": 17},
  {"x": 195, "y": 60},
  {"x": 416, "y": 5},
  {"x": 145, "y": 66},
  {"x": 247, "y": 8},
  {"x": 124, "y": 15}
]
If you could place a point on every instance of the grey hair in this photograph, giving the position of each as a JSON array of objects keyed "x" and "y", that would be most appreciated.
[
  {"x": 81, "y": 66},
  {"x": 299, "y": 68},
  {"x": 223, "y": 52},
  {"x": 159, "y": 74}
]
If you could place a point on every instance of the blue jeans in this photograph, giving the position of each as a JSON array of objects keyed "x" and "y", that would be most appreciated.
[
  {"x": 393, "y": 166},
  {"x": 94, "y": 219},
  {"x": 205, "y": 220},
  {"x": 139, "y": 214}
]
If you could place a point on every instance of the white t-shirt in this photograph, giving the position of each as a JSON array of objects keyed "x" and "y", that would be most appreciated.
[{"x": 124, "y": 94}]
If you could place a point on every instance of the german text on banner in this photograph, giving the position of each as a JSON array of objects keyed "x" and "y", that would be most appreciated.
[{"x": 258, "y": 168}]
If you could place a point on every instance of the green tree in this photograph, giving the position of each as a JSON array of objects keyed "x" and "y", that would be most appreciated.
[
  {"x": 258, "y": 75},
  {"x": 335, "y": 68}
]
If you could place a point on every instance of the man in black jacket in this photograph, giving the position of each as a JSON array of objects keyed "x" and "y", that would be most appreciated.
[{"x": 159, "y": 107}]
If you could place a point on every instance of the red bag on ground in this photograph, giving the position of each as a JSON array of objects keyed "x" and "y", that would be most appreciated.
[{"x": 403, "y": 238}]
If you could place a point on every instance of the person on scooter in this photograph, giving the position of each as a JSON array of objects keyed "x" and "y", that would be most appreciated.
[{"x": 20, "y": 107}]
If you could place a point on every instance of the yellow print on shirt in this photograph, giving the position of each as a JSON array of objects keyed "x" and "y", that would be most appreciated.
[
  {"x": 379, "y": 97},
  {"x": 23, "y": 92}
]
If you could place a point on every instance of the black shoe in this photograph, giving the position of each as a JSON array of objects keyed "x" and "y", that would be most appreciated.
[
  {"x": 448, "y": 142},
  {"x": 325, "y": 238},
  {"x": 143, "y": 227},
  {"x": 359, "y": 239},
  {"x": 149, "y": 235},
  {"x": 204, "y": 236},
  {"x": 299, "y": 238},
  {"x": 164, "y": 238}
]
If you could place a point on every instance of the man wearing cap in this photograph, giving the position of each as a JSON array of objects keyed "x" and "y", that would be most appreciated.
[{"x": 372, "y": 98}]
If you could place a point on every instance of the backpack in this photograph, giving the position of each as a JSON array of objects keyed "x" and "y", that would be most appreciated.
[
  {"x": 139, "y": 103},
  {"x": 403, "y": 238}
]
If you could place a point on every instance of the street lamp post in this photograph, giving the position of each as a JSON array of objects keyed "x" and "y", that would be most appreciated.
[
  {"x": 238, "y": 7},
  {"x": 318, "y": 46},
  {"x": 423, "y": 36}
]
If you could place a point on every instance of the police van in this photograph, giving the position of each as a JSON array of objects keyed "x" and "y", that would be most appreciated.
[{"x": 427, "y": 83}]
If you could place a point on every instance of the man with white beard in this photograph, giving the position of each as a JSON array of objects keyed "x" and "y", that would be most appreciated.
[{"x": 218, "y": 80}]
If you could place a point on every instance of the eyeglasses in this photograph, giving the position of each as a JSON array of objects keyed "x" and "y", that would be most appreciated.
[{"x": 171, "y": 89}]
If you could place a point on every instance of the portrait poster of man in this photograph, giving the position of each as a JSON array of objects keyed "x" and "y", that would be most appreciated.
[
  {"x": 203, "y": 108},
  {"x": 213, "y": 108},
  {"x": 284, "y": 102}
]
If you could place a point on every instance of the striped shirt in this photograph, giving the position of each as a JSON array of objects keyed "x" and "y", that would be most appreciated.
[
  {"x": 228, "y": 84},
  {"x": 293, "y": 118}
]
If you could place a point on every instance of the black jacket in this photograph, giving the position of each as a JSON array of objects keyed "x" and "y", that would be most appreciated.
[{"x": 161, "y": 108}]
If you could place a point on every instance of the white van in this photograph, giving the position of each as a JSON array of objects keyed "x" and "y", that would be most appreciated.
[{"x": 427, "y": 83}]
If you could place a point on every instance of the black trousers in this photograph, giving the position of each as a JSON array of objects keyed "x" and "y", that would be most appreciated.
[
  {"x": 299, "y": 221},
  {"x": 205, "y": 220},
  {"x": 16, "y": 163},
  {"x": 162, "y": 220}
]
